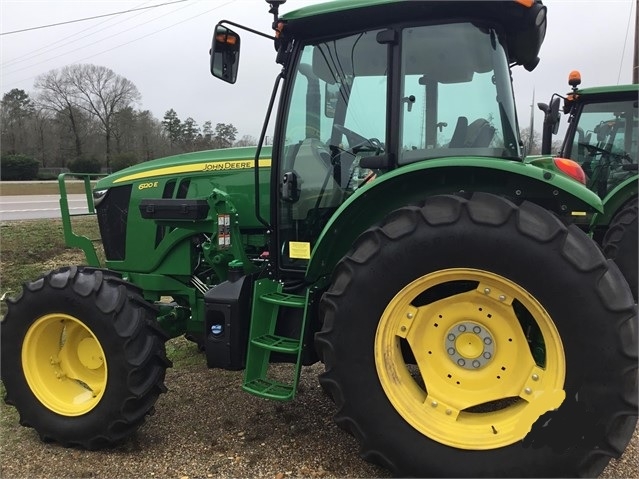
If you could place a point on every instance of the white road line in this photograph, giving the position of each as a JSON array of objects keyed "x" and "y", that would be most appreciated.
[
  {"x": 30, "y": 202},
  {"x": 40, "y": 209}
]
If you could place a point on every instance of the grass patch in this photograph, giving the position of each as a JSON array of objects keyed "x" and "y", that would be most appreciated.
[
  {"x": 30, "y": 248},
  {"x": 38, "y": 246},
  {"x": 183, "y": 352},
  {"x": 8, "y": 415}
]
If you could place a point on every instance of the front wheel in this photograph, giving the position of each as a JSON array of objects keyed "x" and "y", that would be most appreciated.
[
  {"x": 83, "y": 361},
  {"x": 472, "y": 338}
]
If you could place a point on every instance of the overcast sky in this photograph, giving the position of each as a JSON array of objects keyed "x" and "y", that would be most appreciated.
[{"x": 164, "y": 51}]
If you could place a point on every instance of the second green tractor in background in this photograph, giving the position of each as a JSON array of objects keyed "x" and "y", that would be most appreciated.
[{"x": 602, "y": 135}]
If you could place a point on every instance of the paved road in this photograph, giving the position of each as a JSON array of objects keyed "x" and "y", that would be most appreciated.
[{"x": 38, "y": 206}]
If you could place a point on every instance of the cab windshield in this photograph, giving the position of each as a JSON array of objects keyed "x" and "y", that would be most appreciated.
[{"x": 453, "y": 98}]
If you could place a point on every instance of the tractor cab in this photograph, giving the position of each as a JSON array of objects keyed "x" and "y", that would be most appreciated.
[
  {"x": 335, "y": 134},
  {"x": 395, "y": 87}
]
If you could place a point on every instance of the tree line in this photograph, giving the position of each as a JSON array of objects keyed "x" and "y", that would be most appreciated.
[{"x": 83, "y": 117}]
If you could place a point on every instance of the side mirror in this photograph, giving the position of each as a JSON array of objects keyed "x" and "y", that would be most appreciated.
[
  {"x": 554, "y": 114},
  {"x": 225, "y": 54},
  {"x": 551, "y": 123}
]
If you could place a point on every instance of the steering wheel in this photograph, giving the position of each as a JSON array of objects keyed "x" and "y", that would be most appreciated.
[{"x": 358, "y": 141}]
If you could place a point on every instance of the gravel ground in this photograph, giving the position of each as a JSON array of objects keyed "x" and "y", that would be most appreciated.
[{"x": 206, "y": 427}]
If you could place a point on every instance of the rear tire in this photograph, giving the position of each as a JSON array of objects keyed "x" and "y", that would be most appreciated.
[
  {"x": 83, "y": 360},
  {"x": 506, "y": 275},
  {"x": 621, "y": 243}
]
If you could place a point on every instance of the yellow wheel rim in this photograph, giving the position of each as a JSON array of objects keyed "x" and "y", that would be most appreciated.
[
  {"x": 475, "y": 384},
  {"x": 64, "y": 364}
]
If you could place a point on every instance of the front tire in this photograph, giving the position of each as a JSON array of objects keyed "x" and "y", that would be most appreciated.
[
  {"x": 83, "y": 361},
  {"x": 474, "y": 338}
]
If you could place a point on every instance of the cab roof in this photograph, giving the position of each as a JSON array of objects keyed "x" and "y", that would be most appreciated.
[
  {"x": 608, "y": 90},
  {"x": 523, "y": 21}
]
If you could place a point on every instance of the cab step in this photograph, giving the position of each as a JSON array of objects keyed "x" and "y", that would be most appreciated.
[
  {"x": 270, "y": 389},
  {"x": 268, "y": 299}
]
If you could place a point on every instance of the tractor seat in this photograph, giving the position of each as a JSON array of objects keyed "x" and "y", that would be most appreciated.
[{"x": 479, "y": 134}]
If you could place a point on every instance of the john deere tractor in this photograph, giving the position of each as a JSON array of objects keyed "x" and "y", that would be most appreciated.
[
  {"x": 467, "y": 324},
  {"x": 602, "y": 136}
]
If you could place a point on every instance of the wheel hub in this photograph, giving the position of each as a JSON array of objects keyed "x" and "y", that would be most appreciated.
[
  {"x": 89, "y": 353},
  {"x": 64, "y": 364},
  {"x": 470, "y": 345}
]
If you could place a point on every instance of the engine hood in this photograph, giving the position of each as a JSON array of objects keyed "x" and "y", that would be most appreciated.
[{"x": 203, "y": 162}]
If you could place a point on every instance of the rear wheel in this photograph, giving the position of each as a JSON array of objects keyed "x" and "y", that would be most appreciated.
[
  {"x": 621, "y": 243},
  {"x": 473, "y": 338},
  {"x": 83, "y": 361}
]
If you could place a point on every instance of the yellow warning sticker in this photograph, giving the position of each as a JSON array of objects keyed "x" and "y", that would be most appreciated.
[{"x": 299, "y": 250}]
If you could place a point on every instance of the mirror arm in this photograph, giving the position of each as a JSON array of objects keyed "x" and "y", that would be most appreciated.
[{"x": 257, "y": 32}]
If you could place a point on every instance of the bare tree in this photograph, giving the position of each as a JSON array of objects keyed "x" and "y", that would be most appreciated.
[
  {"x": 57, "y": 94},
  {"x": 532, "y": 144},
  {"x": 101, "y": 92},
  {"x": 42, "y": 127},
  {"x": 246, "y": 140},
  {"x": 123, "y": 129},
  {"x": 151, "y": 139}
]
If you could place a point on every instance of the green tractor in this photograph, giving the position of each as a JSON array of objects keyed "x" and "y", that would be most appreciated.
[
  {"x": 602, "y": 136},
  {"x": 467, "y": 323}
]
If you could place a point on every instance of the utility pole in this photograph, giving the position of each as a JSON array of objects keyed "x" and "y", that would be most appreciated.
[
  {"x": 635, "y": 61},
  {"x": 531, "y": 128}
]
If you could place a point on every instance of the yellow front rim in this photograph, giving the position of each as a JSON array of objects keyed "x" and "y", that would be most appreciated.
[
  {"x": 475, "y": 384},
  {"x": 64, "y": 364}
]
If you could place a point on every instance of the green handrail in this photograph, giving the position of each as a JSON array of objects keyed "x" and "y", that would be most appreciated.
[{"x": 72, "y": 239}]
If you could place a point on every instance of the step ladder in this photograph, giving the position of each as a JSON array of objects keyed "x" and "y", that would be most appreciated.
[{"x": 267, "y": 301}]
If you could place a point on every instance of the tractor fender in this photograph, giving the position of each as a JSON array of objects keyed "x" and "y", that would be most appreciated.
[
  {"x": 615, "y": 199},
  {"x": 412, "y": 183}
]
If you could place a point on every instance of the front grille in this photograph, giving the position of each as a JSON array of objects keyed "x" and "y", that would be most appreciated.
[{"x": 112, "y": 213}]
